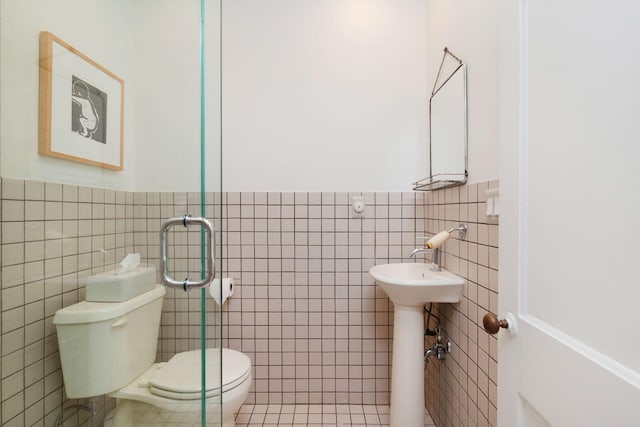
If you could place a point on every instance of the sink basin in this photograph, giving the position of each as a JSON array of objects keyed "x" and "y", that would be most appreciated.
[{"x": 415, "y": 283}]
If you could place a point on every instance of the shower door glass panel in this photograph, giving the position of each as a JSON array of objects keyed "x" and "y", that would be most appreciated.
[{"x": 106, "y": 124}]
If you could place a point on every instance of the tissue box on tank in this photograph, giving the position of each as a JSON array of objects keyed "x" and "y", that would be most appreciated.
[{"x": 112, "y": 287}]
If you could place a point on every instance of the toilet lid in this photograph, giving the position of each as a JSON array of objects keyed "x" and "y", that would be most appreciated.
[{"x": 180, "y": 377}]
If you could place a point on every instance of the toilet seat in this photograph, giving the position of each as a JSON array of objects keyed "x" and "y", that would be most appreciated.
[{"x": 180, "y": 377}]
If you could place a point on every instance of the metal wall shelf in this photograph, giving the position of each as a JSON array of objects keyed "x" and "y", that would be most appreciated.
[
  {"x": 438, "y": 182},
  {"x": 448, "y": 162}
]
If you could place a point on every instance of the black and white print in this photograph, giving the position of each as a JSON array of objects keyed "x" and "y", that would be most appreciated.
[{"x": 88, "y": 110}]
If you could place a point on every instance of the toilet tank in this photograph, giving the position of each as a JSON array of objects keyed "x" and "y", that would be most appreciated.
[{"x": 105, "y": 345}]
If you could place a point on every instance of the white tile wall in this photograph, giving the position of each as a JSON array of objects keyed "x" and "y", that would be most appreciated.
[
  {"x": 52, "y": 237},
  {"x": 462, "y": 390},
  {"x": 305, "y": 310}
]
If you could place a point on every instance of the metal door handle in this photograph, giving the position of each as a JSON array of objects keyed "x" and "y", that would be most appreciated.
[{"x": 186, "y": 221}]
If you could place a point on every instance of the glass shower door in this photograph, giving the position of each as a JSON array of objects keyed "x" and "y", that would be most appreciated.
[
  {"x": 105, "y": 132},
  {"x": 188, "y": 249}
]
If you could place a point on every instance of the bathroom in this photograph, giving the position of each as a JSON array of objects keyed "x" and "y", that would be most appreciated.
[{"x": 306, "y": 105}]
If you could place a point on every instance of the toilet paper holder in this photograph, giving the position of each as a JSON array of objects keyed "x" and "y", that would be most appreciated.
[{"x": 221, "y": 289}]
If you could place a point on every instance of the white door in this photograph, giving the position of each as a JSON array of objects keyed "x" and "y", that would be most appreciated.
[{"x": 570, "y": 217}]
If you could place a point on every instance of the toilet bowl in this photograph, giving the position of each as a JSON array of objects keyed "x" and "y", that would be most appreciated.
[
  {"x": 175, "y": 386},
  {"x": 109, "y": 348}
]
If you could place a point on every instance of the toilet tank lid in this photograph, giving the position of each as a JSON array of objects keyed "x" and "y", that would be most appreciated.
[{"x": 88, "y": 312}]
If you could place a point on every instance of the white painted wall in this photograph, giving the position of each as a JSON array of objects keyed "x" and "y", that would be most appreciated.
[
  {"x": 167, "y": 95},
  {"x": 470, "y": 30},
  {"x": 153, "y": 46},
  {"x": 101, "y": 29},
  {"x": 318, "y": 96},
  {"x": 324, "y": 95}
]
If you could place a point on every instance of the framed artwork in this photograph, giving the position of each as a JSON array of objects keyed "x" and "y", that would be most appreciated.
[{"x": 81, "y": 107}]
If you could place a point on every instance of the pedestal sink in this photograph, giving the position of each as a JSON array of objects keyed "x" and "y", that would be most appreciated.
[{"x": 410, "y": 286}]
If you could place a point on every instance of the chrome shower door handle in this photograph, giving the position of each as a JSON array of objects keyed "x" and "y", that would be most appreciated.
[{"x": 186, "y": 221}]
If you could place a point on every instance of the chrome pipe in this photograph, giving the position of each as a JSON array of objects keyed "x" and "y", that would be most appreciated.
[{"x": 461, "y": 229}]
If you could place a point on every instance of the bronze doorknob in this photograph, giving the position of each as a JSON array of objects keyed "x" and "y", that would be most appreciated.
[{"x": 492, "y": 324}]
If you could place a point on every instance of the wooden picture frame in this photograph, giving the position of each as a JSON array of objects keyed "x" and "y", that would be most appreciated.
[{"x": 81, "y": 110}]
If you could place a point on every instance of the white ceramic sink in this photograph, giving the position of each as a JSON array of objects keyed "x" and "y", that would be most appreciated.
[
  {"x": 417, "y": 284},
  {"x": 410, "y": 286}
]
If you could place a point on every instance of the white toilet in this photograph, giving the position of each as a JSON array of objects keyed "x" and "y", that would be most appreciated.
[{"x": 110, "y": 348}]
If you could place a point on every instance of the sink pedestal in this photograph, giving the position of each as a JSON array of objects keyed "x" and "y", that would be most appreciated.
[
  {"x": 407, "y": 367},
  {"x": 410, "y": 286}
]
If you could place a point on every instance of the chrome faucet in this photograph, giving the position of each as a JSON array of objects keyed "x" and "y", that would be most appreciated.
[
  {"x": 437, "y": 241},
  {"x": 435, "y": 258}
]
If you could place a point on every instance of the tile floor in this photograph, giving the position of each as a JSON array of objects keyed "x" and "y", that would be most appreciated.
[
  {"x": 185, "y": 414},
  {"x": 181, "y": 415},
  {"x": 316, "y": 415}
]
